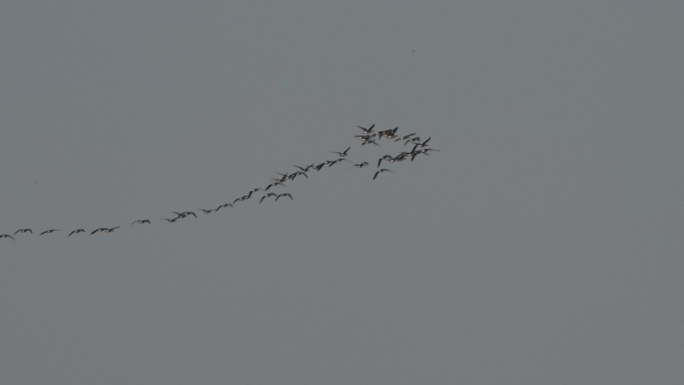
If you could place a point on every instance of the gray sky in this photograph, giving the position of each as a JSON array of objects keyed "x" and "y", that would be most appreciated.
[{"x": 542, "y": 245}]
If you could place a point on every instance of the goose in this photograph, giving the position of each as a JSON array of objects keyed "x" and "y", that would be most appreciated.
[
  {"x": 271, "y": 194},
  {"x": 23, "y": 231},
  {"x": 379, "y": 171},
  {"x": 7, "y": 236},
  {"x": 283, "y": 195},
  {"x": 141, "y": 221},
  {"x": 360, "y": 165},
  {"x": 184, "y": 214},
  {"x": 171, "y": 220},
  {"x": 49, "y": 231},
  {"x": 223, "y": 205},
  {"x": 367, "y": 130},
  {"x": 405, "y": 137},
  {"x": 76, "y": 232},
  {"x": 304, "y": 169},
  {"x": 104, "y": 229},
  {"x": 341, "y": 154}
]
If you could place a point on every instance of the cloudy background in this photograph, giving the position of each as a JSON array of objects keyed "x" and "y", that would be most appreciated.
[{"x": 543, "y": 244}]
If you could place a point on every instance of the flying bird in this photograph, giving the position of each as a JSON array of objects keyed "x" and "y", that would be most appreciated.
[
  {"x": 141, "y": 221},
  {"x": 7, "y": 236},
  {"x": 341, "y": 154},
  {"x": 23, "y": 231},
  {"x": 76, "y": 232},
  {"x": 283, "y": 195},
  {"x": 379, "y": 171},
  {"x": 104, "y": 229},
  {"x": 49, "y": 231},
  {"x": 271, "y": 194}
]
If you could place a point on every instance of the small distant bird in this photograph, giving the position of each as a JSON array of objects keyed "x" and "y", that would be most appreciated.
[
  {"x": 49, "y": 231},
  {"x": 76, "y": 232},
  {"x": 184, "y": 214},
  {"x": 171, "y": 220},
  {"x": 367, "y": 130},
  {"x": 379, "y": 171},
  {"x": 283, "y": 195},
  {"x": 223, "y": 205},
  {"x": 7, "y": 236},
  {"x": 104, "y": 229},
  {"x": 207, "y": 211},
  {"x": 23, "y": 231},
  {"x": 360, "y": 165},
  {"x": 141, "y": 221},
  {"x": 271, "y": 194},
  {"x": 341, "y": 154}
]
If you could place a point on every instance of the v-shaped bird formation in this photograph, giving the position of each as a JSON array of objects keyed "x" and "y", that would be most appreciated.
[{"x": 369, "y": 136}]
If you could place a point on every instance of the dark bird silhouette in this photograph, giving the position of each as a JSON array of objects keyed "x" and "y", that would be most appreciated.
[
  {"x": 283, "y": 195},
  {"x": 360, "y": 165},
  {"x": 76, "y": 232},
  {"x": 7, "y": 236},
  {"x": 184, "y": 214},
  {"x": 379, "y": 171},
  {"x": 23, "y": 231},
  {"x": 367, "y": 130},
  {"x": 141, "y": 221},
  {"x": 341, "y": 154},
  {"x": 171, "y": 220},
  {"x": 49, "y": 231},
  {"x": 104, "y": 229},
  {"x": 271, "y": 194},
  {"x": 223, "y": 205}
]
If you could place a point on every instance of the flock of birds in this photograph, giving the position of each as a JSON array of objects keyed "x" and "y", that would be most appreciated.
[{"x": 369, "y": 136}]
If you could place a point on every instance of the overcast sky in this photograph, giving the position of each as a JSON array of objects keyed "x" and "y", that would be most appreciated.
[{"x": 543, "y": 244}]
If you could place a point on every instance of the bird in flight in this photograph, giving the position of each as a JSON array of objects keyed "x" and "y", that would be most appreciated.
[
  {"x": 283, "y": 195},
  {"x": 23, "y": 231},
  {"x": 49, "y": 231},
  {"x": 381, "y": 170},
  {"x": 104, "y": 229},
  {"x": 341, "y": 154},
  {"x": 271, "y": 194},
  {"x": 7, "y": 236},
  {"x": 141, "y": 221},
  {"x": 76, "y": 232},
  {"x": 360, "y": 165}
]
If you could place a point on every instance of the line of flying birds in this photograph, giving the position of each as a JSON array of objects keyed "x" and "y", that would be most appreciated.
[{"x": 369, "y": 136}]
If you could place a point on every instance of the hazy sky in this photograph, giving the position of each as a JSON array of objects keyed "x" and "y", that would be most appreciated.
[{"x": 542, "y": 245}]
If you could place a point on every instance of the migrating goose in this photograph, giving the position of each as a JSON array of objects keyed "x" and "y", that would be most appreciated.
[
  {"x": 273, "y": 184},
  {"x": 367, "y": 130},
  {"x": 360, "y": 165},
  {"x": 49, "y": 231},
  {"x": 207, "y": 211},
  {"x": 76, "y": 232},
  {"x": 184, "y": 214},
  {"x": 23, "y": 231},
  {"x": 271, "y": 194},
  {"x": 7, "y": 236},
  {"x": 341, "y": 154},
  {"x": 104, "y": 229},
  {"x": 379, "y": 171},
  {"x": 305, "y": 169},
  {"x": 171, "y": 220},
  {"x": 223, "y": 205},
  {"x": 283, "y": 195},
  {"x": 141, "y": 221}
]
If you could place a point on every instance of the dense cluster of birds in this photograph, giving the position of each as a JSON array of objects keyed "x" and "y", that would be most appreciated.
[{"x": 369, "y": 136}]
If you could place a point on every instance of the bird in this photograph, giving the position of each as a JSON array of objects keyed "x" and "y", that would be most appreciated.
[
  {"x": 379, "y": 171},
  {"x": 283, "y": 195},
  {"x": 184, "y": 214},
  {"x": 141, "y": 221},
  {"x": 49, "y": 231},
  {"x": 76, "y": 232},
  {"x": 207, "y": 211},
  {"x": 223, "y": 205},
  {"x": 23, "y": 231},
  {"x": 104, "y": 229},
  {"x": 341, "y": 154},
  {"x": 360, "y": 165},
  {"x": 271, "y": 194},
  {"x": 7, "y": 236},
  {"x": 171, "y": 220},
  {"x": 367, "y": 130}
]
